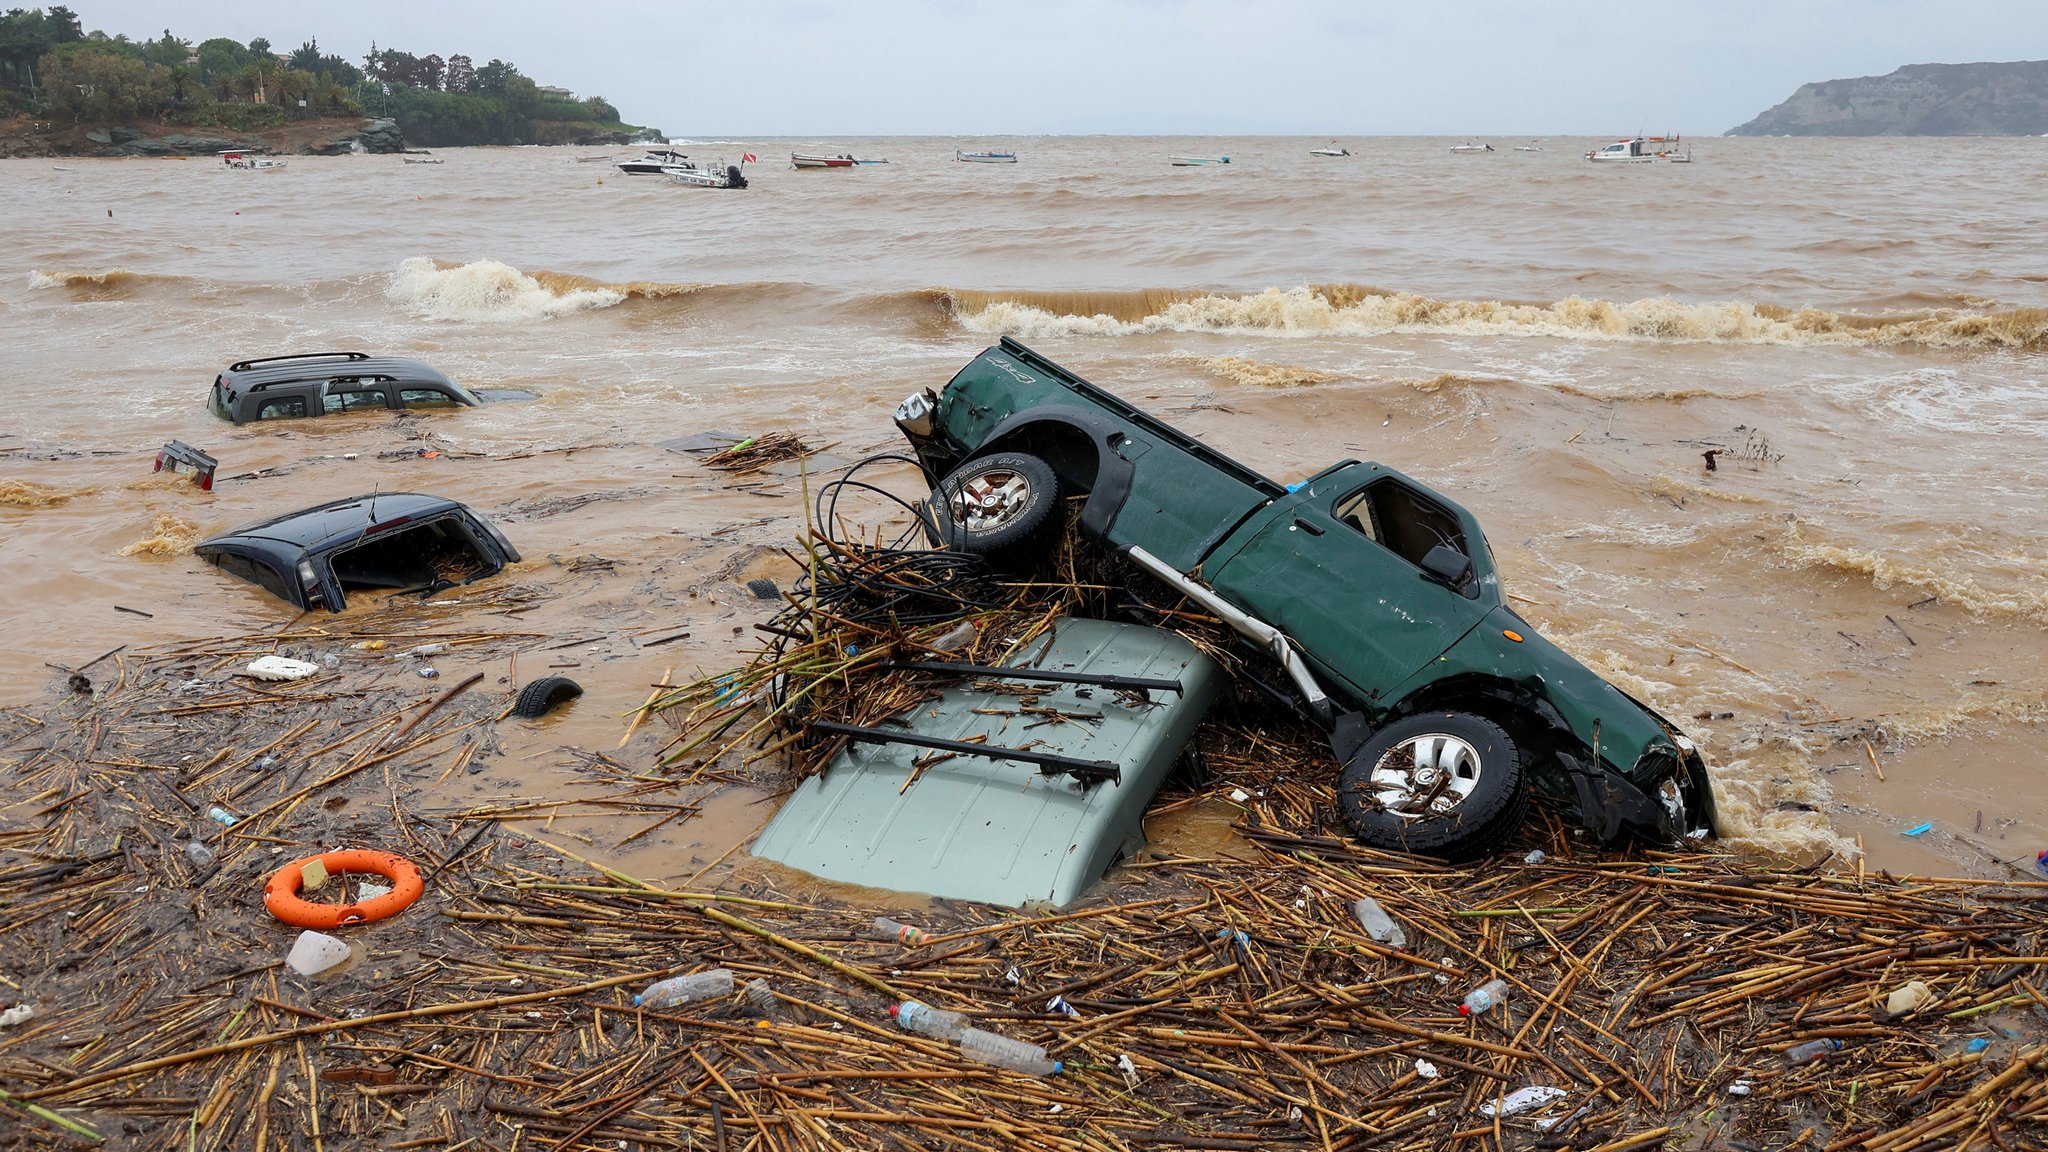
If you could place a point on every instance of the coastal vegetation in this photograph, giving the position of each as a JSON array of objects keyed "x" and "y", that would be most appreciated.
[{"x": 51, "y": 68}]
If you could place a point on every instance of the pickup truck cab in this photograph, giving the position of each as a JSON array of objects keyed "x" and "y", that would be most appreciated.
[{"x": 1374, "y": 597}]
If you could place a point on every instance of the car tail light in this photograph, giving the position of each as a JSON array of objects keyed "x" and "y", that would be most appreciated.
[{"x": 316, "y": 597}]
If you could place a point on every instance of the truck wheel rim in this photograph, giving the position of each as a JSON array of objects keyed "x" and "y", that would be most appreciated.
[
  {"x": 1425, "y": 775},
  {"x": 991, "y": 500}
]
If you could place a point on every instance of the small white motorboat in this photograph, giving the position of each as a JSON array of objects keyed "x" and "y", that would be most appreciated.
[
  {"x": 1197, "y": 161},
  {"x": 985, "y": 157},
  {"x": 242, "y": 161},
  {"x": 1531, "y": 146},
  {"x": 656, "y": 162},
  {"x": 1330, "y": 149},
  {"x": 1469, "y": 146},
  {"x": 421, "y": 159},
  {"x": 1641, "y": 150},
  {"x": 719, "y": 175}
]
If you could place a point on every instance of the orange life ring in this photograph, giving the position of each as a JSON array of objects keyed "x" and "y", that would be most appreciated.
[{"x": 281, "y": 895}]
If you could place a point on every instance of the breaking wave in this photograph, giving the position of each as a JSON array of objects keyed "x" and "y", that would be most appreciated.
[
  {"x": 489, "y": 291},
  {"x": 1359, "y": 310},
  {"x": 1885, "y": 572},
  {"x": 106, "y": 284},
  {"x": 1253, "y": 373},
  {"x": 26, "y": 494},
  {"x": 169, "y": 536}
]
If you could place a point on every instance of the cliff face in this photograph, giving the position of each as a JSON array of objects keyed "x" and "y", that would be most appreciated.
[{"x": 1917, "y": 100}]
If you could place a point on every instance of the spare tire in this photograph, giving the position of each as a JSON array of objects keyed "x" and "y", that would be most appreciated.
[
  {"x": 543, "y": 695},
  {"x": 993, "y": 503},
  {"x": 1445, "y": 784}
]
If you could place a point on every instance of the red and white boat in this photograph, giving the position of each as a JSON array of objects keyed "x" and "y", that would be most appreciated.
[
  {"x": 1642, "y": 150},
  {"x": 243, "y": 161}
]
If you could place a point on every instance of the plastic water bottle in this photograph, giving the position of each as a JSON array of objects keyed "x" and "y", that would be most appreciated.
[
  {"x": 199, "y": 854},
  {"x": 222, "y": 816},
  {"x": 904, "y": 934},
  {"x": 926, "y": 1020},
  {"x": 1377, "y": 923},
  {"x": 685, "y": 989},
  {"x": 762, "y": 999},
  {"x": 1812, "y": 1050},
  {"x": 1003, "y": 1052},
  {"x": 956, "y": 636},
  {"x": 1484, "y": 997}
]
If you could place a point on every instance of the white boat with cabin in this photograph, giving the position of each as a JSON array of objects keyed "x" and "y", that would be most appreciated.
[
  {"x": 719, "y": 175},
  {"x": 1197, "y": 161},
  {"x": 242, "y": 160},
  {"x": 1642, "y": 150},
  {"x": 1330, "y": 149},
  {"x": 656, "y": 162},
  {"x": 1469, "y": 146}
]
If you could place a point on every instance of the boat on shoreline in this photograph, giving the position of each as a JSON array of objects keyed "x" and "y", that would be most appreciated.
[
  {"x": 843, "y": 160},
  {"x": 1642, "y": 150},
  {"x": 241, "y": 160},
  {"x": 1196, "y": 161},
  {"x": 985, "y": 157},
  {"x": 656, "y": 162}
]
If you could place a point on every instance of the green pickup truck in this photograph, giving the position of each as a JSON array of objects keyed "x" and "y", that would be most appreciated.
[{"x": 1373, "y": 599}]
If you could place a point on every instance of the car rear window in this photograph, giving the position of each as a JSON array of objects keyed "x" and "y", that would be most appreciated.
[{"x": 282, "y": 407}]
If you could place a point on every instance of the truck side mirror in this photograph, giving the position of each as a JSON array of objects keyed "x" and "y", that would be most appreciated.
[{"x": 1448, "y": 565}]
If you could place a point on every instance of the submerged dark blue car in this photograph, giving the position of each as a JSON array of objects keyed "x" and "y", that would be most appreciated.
[{"x": 399, "y": 540}]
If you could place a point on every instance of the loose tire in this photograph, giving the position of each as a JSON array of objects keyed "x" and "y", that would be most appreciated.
[
  {"x": 993, "y": 503},
  {"x": 544, "y": 695},
  {"x": 1444, "y": 784}
]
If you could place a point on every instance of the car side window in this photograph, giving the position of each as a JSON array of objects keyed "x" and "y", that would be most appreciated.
[
  {"x": 1400, "y": 519},
  {"x": 282, "y": 407},
  {"x": 353, "y": 399},
  {"x": 426, "y": 398}
]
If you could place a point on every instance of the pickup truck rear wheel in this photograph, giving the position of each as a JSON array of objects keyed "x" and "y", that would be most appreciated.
[
  {"x": 994, "y": 502},
  {"x": 1445, "y": 784}
]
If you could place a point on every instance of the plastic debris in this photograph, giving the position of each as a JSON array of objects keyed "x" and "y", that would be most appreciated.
[
  {"x": 1240, "y": 795},
  {"x": 312, "y": 876},
  {"x": 1484, "y": 997},
  {"x": 761, "y": 998},
  {"x": 316, "y": 952},
  {"x": 685, "y": 989},
  {"x": 19, "y": 1014},
  {"x": 1918, "y": 829},
  {"x": 1235, "y": 936},
  {"x": 222, "y": 816},
  {"x": 1740, "y": 1088},
  {"x": 1426, "y": 1070},
  {"x": 279, "y": 668},
  {"x": 1377, "y": 923},
  {"x": 1003, "y": 1052},
  {"x": 925, "y": 1020},
  {"x": 956, "y": 636},
  {"x": 1535, "y": 857},
  {"x": 1812, "y": 1050},
  {"x": 1130, "y": 1070},
  {"x": 370, "y": 890},
  {"x": 1523, "y": 1099},
  {"x": 1908, "y": 996},
  {"x": 2041, "y": 862},
  {"x": 1059, "y": 1004},
  {"x": 1977, "y": 1045},
  {"x": 887, "y": 929},
  {"x": 199, "y": 854}
]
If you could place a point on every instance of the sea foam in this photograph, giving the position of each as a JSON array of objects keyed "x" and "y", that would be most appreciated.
[{"x": 488, "y": 291}]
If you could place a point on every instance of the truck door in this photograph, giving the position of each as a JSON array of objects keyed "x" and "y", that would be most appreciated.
[{"x": 1337, "y": 566}]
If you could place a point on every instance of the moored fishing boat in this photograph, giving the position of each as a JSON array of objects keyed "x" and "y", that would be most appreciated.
[
  {"x": 242, "y": 161},
  {"x": 1330, "y": 149},
  {"x": 1469, "y": 146},
  {"x": 1196, "y": 161},
  {"x": 719, "y": 175},
  {"x": 1641, "y": 150},
  {"x": 985, "y": 157},
  {"x": 655, "y": 162},
  {"x": 843, "y": 160}
]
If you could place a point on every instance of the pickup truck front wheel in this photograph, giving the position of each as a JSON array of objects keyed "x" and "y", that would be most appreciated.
[
  {"x": 993, "y": 503},
  {"x": 1445, "y": 784}
]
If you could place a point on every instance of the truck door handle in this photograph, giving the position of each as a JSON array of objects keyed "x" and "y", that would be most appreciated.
[{"x": 1307, "y": 527}]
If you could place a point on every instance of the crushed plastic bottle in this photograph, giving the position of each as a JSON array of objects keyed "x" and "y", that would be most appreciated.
[
  {"x": 1523, "y": 1099},
  {"x": 1377, "y": 923},
  {"x": 887, "y": 929},
  {"x": 199, "y": 854},
  {"x": 762, "y": 999},
  {"x": 1003, "y": 1052},
  {"x": 925, "y": 1020},
  {"x": 1059, "y": 1004},
  {"x": 955, "y": 637},
  {"x": 1483, "y": 998},
  {"x": 1812, "y": 1050},
  {"x": 1535, "y": 856},
  {"x": 686, "y": 989},
  {"x": 429, "y": 673}
]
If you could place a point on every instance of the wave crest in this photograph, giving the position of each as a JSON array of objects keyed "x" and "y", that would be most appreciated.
[
  {"x": 1884, "y": 572},
  {"x": 490, "y": 291},
  {"x": 1360, "y": 310}
]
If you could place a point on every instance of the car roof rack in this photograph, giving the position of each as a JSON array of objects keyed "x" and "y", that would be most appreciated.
[
  {"x": 374, "y": 377},
  {"x": 245, "y": 365}
]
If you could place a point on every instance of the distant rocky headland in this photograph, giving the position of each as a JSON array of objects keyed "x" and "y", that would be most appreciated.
[{"x": 1917, "y": 100}]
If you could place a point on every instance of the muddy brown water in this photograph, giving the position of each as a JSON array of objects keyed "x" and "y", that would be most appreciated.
[{"x": 1857, "y": 326}]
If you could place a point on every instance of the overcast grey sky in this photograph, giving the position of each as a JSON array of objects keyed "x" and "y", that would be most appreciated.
[{"x": 1194, "y": 67}]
